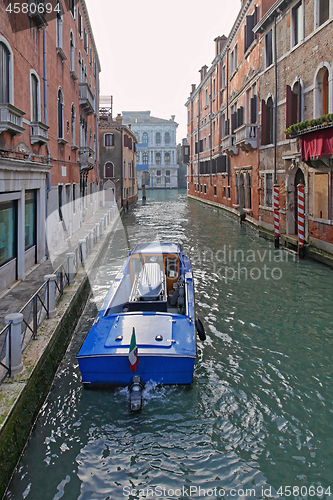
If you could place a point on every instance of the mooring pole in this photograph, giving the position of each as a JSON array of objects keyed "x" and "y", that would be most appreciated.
[
  {"x": 276, "y": 216},
  {"x": 300, "y": 210}
]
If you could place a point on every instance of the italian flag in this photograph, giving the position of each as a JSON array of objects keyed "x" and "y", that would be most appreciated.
[{"x": 133, "y": 353}]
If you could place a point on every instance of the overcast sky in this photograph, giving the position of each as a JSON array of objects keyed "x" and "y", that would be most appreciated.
[{"x": 151, "y": 51}]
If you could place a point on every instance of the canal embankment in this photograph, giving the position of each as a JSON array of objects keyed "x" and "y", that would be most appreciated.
[
  {"x": 22, "y": 395},
  {"x": 286, "y": 241}
]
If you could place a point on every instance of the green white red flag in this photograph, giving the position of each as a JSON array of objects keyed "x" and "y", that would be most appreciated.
[{"x": 133, "y": 353}]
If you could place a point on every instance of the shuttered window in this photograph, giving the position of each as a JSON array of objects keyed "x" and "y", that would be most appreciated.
[
  {"x": 293, "y": 105},
  {"x": 323, "y": 11},
  {"x": 269, "y": 48},
  {"x": 109, "y": 170},
  {"x": 253, "y": 109},
  {"x": 267, "y": 115},
  {"x": 108, "y": 140}
]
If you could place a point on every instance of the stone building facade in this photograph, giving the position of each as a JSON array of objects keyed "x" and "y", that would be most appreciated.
[
  {"x": 48, "y": 131},
  {"x": 117, "y": 161},
  {"x": 156, "y": 149}
]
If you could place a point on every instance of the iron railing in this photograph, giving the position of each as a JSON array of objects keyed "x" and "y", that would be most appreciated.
[{"x": 37, "y": 308}]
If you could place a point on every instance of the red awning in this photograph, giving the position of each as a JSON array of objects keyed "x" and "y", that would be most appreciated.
[{"x": 317, "y": 144}]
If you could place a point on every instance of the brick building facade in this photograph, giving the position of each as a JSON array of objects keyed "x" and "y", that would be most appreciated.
[
  {"x": 48, "y": 131},
  {"x": 296, "y": 87},
  {"x": 273, "y": 71},
  {"x": 117, "y": 162}
]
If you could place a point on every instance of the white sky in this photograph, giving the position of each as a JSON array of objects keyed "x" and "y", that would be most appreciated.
[{"x": 151, "y": 51}]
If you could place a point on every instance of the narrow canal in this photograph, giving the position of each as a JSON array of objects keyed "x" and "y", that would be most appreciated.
[{"x": 259, "y": 414}]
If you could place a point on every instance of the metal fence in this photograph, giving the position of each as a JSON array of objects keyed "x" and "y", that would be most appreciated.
[{"x": 41, "y": 304}]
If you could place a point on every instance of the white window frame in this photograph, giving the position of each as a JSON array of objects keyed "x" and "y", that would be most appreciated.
[
  {"x": 234, "y": 59},
  {"x": 33, "y": 72},
  {"x": 11, "y": 69},
  {"x": 300, "y": 25},
  {"x": 317, "y": 11}
]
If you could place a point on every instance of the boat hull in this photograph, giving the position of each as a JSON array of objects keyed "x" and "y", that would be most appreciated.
[
  {"x": 162, "y": 326},
  {"x": 115, "y": 371}
]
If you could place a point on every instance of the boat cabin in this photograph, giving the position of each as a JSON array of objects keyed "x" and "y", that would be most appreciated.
[{"x": 154, "y": 280}]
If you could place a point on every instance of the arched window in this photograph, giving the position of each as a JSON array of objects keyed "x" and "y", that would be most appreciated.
[
  {"x": 325, "y": 92},
  {"x": 236, "y": 190},
  {"x": 167, "y": 158},
  {"x": 322, "y": 102},
  {"x": 145, "y": 138},
  {"x": 4, "y": 74},
  {"x": 60, "y": 114},
  {"x": 267, "y": 117},
  {"x": 72, "y": 52},
  {"x": 167, "y": 138},
  {"x": 34, "y": 99},
  {"x": 158, "y": 138},
  {"x": 293, "y": 104},
  {"x": 158, "y": 159},
  {"x": 108, "y": 140},
  {"x": 73, "y": 116},
  {"x": 109, "y": 170},
  {"x": 80, "y": 68},
  {"x": 72, "y": 7},
  {"x": 59, "y": 25},
  {"x": 145, "y": 158},
  {"x": 248, "y": 194}
]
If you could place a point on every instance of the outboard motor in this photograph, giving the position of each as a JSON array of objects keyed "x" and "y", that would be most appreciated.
[{"x": 136, "y": 389}]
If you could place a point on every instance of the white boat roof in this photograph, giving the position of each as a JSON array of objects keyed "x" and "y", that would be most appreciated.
[{"x": 157, "y": 247}]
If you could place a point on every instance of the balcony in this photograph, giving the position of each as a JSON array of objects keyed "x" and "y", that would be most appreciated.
[
  {"x": 228, "y": 145},
  {"x": 11, "y": 119},
  {"x": 246, "y": 136},
  {"x": 37, "y": 12},
  {"x": 142, "y": 145},
  {"x": 86, "y": 98},
  {"x": 38, "y": 133},
  {"x": 86, "y": 158}
]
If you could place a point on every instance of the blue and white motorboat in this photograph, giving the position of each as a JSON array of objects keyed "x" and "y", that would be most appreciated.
[{"x": 152, "y": 302}]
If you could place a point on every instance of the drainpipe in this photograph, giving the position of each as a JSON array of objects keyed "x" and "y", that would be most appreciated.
[
  {"x": 227, "y": 78},
  {"x": 199, "y": 94},
  {"x": 276, "y": 96},
  {"x": 211, "y": 130},
  {"x": 48, "y": 175}
]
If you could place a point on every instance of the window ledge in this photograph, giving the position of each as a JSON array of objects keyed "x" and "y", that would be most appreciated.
[
  {"x": 61, "y": 140},
  {"x": 74, "y": 147}
]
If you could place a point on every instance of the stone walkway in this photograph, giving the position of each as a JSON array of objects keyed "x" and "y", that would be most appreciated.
[{"x": 15, "y": 297}]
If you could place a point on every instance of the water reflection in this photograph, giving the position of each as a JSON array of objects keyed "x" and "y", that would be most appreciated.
[{"x": 259, "y": 412}]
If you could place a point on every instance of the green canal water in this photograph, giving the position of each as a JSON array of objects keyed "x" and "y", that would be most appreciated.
[{"x": 257, "y": 420}]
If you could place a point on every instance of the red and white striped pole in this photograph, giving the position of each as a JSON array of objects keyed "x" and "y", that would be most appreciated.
[
  {"x": 300, "y": 197},
  {"x": 276, "y": 216}
]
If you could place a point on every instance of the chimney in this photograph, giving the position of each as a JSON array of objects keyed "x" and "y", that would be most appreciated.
[
  {"x": 119, "y": 119},
  {"x": 173, "y": 117},
  {"x": 193, "y": 88},
  {"x": 219, "y": 44},
  {"x": 203, "y": 72},
  {"x": 129, "y": 126}
]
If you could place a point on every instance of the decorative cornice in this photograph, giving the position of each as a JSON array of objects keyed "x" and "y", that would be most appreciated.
[{"x": 89, "y": 29}]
